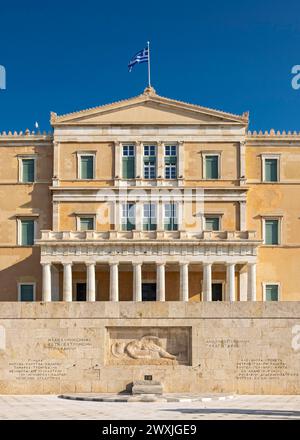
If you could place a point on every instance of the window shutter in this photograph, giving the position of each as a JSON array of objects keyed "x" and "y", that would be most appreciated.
[
  {"x": 212, "y": 224},
  {"x": 128, "y": 167},
  {"x": 272, "y": 292},
  {"x": 86, "y": 224},
  {"x": 26, "y": 293},
  {"x": 87, "y": 167},
  {"x": 271, "y": 170},
  {"x": 212, "y": 167},
  {"x": 27, "y": 231},
  {"x": 28, "y": 170},
  {"x": 271, "y": 231}
]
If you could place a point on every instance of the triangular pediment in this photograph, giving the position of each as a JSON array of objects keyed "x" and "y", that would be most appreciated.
[{"x": 149, "y": 108}]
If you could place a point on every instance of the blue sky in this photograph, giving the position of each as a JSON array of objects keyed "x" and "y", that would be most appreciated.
[{"x": 234, "y": 56}]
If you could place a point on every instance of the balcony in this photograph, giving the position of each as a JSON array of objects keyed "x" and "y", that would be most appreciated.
[{"x": 48, "y": 236}]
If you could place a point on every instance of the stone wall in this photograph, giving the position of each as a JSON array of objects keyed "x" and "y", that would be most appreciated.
[{"x": 189, "y": 347}]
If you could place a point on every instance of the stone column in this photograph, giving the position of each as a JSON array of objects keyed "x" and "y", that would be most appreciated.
[
  {"x": 91, "y": 282},
  {"x": 243, "y": 226},
  {"x": 207, "y": 291},
  {"x": 160, "y": 282},
  {"x": 139, "y": 160},
  {"x": 114, "y": 282},
  {"x": 46, "y": 282},
  {"x": 67, "y": 285},
  {"x": 180, "y": 155},
  {"x": 184, "y": 281},
  {"x": 160, "y": 154},
  {"x": 137, "y": 281},
  {"x": 251, "y": 294},
  {"x": 160, "y": 216},
  {"x": 230, "y": 294},
  {"x": 118, "y": 160}
]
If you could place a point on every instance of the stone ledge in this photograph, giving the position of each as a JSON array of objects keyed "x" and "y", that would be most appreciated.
[
  {"x": 148, "y": 398},
  {"x": 170, "y": 309}
]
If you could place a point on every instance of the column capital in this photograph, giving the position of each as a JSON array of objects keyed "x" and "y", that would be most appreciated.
[
  {"x": 113, "y": 263},
  {"x": 206, "y": 263},
  {"x": 45, "y": 263},
  {"x": 184, "y": 263},
  {"x": 67, "y": 263},
  {"x": 160, "y": 263},
  {"x": 230, "y": 263},
  {"x": 137, "y": 263},
  {"x": 90, "y": 263}
]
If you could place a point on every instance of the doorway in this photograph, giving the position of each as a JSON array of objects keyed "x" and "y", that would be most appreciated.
[
  {"x": 217, "y": 291},
  {"x": 80, "y": 291},
  {"x": 148, "y": 291}
]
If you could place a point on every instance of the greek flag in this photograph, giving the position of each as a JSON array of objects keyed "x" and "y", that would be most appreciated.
[{"x": 140, "y": 57}]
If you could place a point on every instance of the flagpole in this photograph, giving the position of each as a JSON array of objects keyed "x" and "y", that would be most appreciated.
[{"x": 149, "y": 66}]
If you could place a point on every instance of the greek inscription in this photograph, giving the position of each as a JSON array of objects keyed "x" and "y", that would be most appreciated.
[
  {"x": 264, "y": 369},
  {"x": 36, "y": 370}
]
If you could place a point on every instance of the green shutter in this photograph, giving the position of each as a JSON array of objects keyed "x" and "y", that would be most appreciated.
[
  {"x": 86, "y": 224},
  {"x": 271, "y": 232},
  {"x": 87, "y": 167},
  {"x": 26, "y": 293},
  {"x": 28, "y": 170},
  {"x": 271, "y": 170},
  {"x": 272, "y": 292},
  {"x": 211, "y": 163},
  {"x": 27, "y": 232},
  {"x": 128, "y": 167},
  {"x": 212, "y": 224},
  {"x": 170, "y": 160}
]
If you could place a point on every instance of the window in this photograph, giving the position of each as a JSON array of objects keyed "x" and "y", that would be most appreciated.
[
  {"x": 128, "y": 162},
  {"x": 212, "y": 223},
  {"x": 28, "y": 170},
  {"x": 149, "y": 161},
  {"x": 271, "y": 232},
  {"x": 86, "y": 166},
  {"x": 270, "y": 168},
  {"x": 170, "y": 161},
  {"x": 27, "y": 292},
  {"x": 149, "y": 217},
  {"x": 26, "y": 232},
  {"x": 271, "y": 292},
  {"x": 170, "y": 218},
  {"x": 211, "y": 166},
  {"x": 128, "y": 216},
  {"x": 87, "y": 223}
]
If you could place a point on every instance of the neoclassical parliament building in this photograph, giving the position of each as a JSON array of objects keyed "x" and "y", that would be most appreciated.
[{"x": 150, "y": 199}]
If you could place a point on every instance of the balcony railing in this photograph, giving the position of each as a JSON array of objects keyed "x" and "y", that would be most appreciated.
[{"x": 78, "y": 236}]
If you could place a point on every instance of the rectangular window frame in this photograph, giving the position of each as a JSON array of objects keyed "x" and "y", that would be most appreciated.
[
  {"x": 263, "y": 164},
  {"x": 20, "y": 159},
  {"x": 151, "y": 226},
  {"x": 81, "y": 154},
  {"x": 149, "y": 161},
  {"x": 128, "y": 148},
  {"x": 271, "y": 283},
  {"x": 218, "y": 216},
  {"x": 171, "y": 161},
  {"x": 174, "y": 225},
  {"x": 27, "y": 284},
  {"x": 19, "y": 230},
  {"x": 124, "y": 218},
  {"x": 208, "y": 154},
  {"x": 82, "y": 216},
  {"x": 279, "y": 219},
  {"x": 128, "y": 151}
]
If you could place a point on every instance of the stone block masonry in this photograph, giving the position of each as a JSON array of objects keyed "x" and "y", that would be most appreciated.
[{"x": 101, "y": 347}]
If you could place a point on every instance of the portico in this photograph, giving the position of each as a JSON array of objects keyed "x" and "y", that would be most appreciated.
[{"x": 122, "y": 267}]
